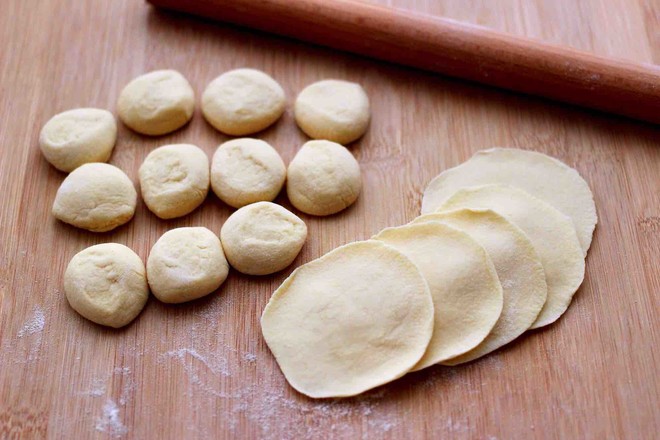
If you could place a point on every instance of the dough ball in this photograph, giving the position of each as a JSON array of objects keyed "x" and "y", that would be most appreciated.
[
  {"x": 157, "y": 102},
  {"x": 356, "y": 318},
  {"x": 74, "y": 137},
  {"x": 186, "y": 264},
  {"x": 323, "y": 178},
  {"x": 518, "y": 268},
  {"x": 334, "y": 110},
  {"x": 242, "y": 101},
  {"x": 262, "y": 238},
  {"x": 542, "y": 176},
  {"x": 106, "y": 284},
  {"x": 245, "y": 171},
  {"x": 466, "y": 293},
  {"x": 95, "y": 196},
  {"x": 174, "y": 180},
  {"x": 551, "y": 232}
]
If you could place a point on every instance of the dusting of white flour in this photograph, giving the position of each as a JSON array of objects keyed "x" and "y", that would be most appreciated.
[
  {"x": 33, "y": 325},
  {"x": 110, "y": 422}
]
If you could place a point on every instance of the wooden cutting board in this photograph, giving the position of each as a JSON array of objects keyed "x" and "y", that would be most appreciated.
[{"x": 202, "y": 370}]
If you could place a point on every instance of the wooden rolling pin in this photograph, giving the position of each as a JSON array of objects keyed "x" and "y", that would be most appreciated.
[{"x": 451, "y": 48}]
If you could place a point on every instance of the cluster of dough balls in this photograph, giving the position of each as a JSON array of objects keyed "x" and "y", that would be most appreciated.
[
  {"x": 322, "y": 179},
  {"x": 108, "y": 283}
]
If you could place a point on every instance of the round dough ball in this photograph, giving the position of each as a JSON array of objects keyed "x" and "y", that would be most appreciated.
[
  {"x": 186, "y": 264},
  {"x": 157, "y": 102},
  {"x": 323, "y": 178},
  {"x": 518, "y": 268},
  {"x": 262, "y": 238},
  {"x": 246, "y": 171},
  {"x": 106, "y": 284},
  {"x": 174, "y": 180},
  {"x": 542, "y": 176},
  {"x": 334, "y": 110},
  {"x": 74, "y": 137},
  {"x": 242, "y": 101},
  {"x": 95, "y": 196},
  {"x": 551, "y": 232},
  {"x": 466, "y": 293},
  {"x": 354, "y": 319}
]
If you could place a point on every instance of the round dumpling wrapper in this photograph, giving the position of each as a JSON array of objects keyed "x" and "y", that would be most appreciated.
[
  {"x": 354, "y": 319},
  {"x": 542, "y": 176},
  {"x": 550, "y": 231},
  {"x": 467, "y": 296},
  {"x": 518, "y": 267}
]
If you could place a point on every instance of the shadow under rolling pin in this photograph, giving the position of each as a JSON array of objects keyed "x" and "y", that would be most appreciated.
[{"x": 451, "y": 48}]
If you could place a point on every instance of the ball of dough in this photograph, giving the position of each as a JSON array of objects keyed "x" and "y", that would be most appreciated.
[
  {"x": 262, "y": 238},
  {"x": 334, "y": 110},
  {"x": 186, "y": 264},
  {"x": 246, "y": 171},
  {"x": 74, "y": 137},
  {"x": 157, "y": 102},
  {"x": 95, "y": 196},
  {"x": 242, "y": 101},
  {"x": 106, "y": 284},
  {"x": 323, "y": 178},
  {"x": 174, "y": 180}
]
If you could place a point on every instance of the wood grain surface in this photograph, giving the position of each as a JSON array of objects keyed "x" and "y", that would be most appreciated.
[{"x": 202, "y": 370}]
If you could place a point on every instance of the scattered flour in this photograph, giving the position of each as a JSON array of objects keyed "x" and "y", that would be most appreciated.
[
  {"x": 216, "y": 364},
  {"x": 33, "y": 325},
  {"x": 97, "y": 389},
  {"x": 250, "y": 357},
  {"x": 110, "y": 422},
  {"x": 263, "y": 408}
]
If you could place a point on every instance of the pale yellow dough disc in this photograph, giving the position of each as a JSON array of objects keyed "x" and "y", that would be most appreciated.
[
  {"x": 334, "y": 110},
  {"x": 467, "y": 296},
  {"x": 356, "y": 318},
  {"x": 246, "y": 171},
  {"x": 106, "y": 284},
  {"x": 262, "y": 238},
  {"x": 174, "y": 180},
  {"x": 551, "y": 232},
  {"x": 95, "y": 196},
  {"x": 323, "y": 178},
  {"x": 542, "y": 176},
  {"x": 157, "y": 102},
  {"x": 186, "y": 264},
  {"x": 518, "y": 267},
  {"x": 75, "y": 137},
  {"x": 243, "y": 101}
]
